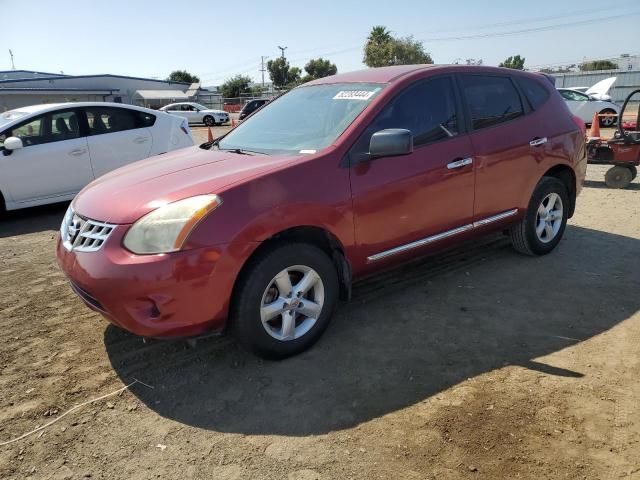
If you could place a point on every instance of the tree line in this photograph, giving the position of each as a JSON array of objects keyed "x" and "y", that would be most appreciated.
[{"x": 381, "y": 49}]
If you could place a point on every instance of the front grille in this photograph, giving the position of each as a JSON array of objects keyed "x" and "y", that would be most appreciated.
[{"x": 82, "y": 234}]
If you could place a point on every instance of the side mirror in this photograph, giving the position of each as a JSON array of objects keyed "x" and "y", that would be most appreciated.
[
  {"x": 11, "y": 144},
  {"x": 391, "y": 142}
]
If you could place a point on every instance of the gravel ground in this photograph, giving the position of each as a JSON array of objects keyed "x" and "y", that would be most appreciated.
[{"x": 476, "y": 363}]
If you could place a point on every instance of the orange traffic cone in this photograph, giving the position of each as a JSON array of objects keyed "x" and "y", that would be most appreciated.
[
  {"x": 209, "y": 135},
  {"x": 595, "y": 127},
  {"x": 234, "y": 124}
]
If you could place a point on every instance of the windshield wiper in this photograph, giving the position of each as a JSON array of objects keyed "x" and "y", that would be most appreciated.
[{"x": 240, "y": 151}]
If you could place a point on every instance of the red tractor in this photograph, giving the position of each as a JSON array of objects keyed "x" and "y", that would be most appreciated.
[{"x": 622, "y": 151}]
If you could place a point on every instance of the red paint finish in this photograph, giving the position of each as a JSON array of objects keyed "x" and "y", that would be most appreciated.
[{"x": 366, "y": 208}]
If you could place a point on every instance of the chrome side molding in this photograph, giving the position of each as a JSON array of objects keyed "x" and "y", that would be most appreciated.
[{"x": 441, "y": 236}]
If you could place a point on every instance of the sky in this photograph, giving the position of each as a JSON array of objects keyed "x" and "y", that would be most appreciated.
[{"x": 216, "y": 40}]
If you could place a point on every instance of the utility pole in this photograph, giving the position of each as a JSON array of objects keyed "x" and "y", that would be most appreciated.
[
  {"x": 262, "y": 69},
  {"x": 13, "y": 65},
  {"x": 282, "y": 49}
]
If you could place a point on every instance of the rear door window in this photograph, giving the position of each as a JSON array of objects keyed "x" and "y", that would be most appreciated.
[
  {"x": 491, "y": 100},
  {"x": 103, "y": 120},
  {"x": 535, "y": 92}
]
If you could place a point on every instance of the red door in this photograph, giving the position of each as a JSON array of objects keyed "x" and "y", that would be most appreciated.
[{"x": 405, "y": 199}]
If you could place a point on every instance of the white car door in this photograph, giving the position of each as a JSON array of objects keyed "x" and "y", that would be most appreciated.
[
  {"x": 54, "y": 161},
  {"x": 191, "y": 113},
  {"x": 117, "y": 137}
]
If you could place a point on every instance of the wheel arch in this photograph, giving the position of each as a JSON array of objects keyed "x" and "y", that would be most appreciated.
[
  {"x": 567, "y": 176},
  {"x": 312, "y": 235}
]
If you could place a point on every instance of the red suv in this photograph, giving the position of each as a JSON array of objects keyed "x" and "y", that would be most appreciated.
[{"x": 266, "y": 228}]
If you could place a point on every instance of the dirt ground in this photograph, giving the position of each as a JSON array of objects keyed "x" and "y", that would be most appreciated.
[{"x": 477, "y": 363}]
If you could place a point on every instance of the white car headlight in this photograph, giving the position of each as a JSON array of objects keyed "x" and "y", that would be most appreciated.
[{"x": 166, "y": 229}]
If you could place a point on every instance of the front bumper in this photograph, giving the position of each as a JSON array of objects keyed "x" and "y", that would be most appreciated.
[{"x": 169, "y": 295}]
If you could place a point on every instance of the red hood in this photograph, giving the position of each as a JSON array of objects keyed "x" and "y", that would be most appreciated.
[{"x": 124, "y": 195}]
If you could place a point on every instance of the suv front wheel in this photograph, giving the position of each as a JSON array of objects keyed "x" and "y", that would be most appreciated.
[
  {"x": 542, "y": 227},
  {"x": 285, "y": 300}
]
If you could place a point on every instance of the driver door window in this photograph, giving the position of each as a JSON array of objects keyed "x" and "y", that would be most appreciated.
[{"x": 427, "y": 109}]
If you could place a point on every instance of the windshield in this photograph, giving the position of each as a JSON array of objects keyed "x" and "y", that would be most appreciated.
[
  {"x": 200, "y": 107},
  {"x": 305, "y": 120}
]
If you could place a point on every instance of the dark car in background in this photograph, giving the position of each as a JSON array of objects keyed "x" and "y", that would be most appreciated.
[{"x": 251, "y": 107}]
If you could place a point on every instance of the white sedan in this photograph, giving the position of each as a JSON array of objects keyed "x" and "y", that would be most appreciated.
[
  {"x": 48, "y": 153},
  {"x": 594, "y": 100},
  {"x": 196, "y": 113}
]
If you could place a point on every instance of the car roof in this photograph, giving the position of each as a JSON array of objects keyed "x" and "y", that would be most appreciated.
[
  {"x": 47, "y": 107},
  {"x": 398, "y": 72}
]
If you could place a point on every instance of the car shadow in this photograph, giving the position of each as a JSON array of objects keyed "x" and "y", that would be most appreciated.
[
  {"x": 32, "y": 220},
  {"x": 601, "y": 184},
  {"x": 406, "y": 336}
]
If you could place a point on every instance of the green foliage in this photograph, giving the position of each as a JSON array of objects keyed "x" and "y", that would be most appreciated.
[
  {"x": 382, "y": 49},
  {"x": 183, "y": 76},
  {"x": 566, "y": 69},
  {"x": 516, "y": 62},
  {"x": 281, "y": 73},
  {"x": 235, "y": 86},
  {"x": 318, "y": 68},
  {"x": 598, "y": 65}
]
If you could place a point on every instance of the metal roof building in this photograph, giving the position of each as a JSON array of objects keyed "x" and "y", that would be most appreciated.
[{"x": 27, "y": 87}]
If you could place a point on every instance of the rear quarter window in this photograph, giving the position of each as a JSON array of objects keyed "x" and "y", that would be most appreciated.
[
  {"x": 536, "y": 93},
  {"x": 146, "y": 119}
]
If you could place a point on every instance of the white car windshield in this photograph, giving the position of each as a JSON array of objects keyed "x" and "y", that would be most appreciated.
[
  {"x": 305, "y": 120},
  {"x": 200, "y": 107},
  {"x": 10, "y": 116}
]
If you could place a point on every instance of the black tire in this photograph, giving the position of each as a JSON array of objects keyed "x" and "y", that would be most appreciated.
[
  {"x": 634, "y": 172},
  {"x": 618, "y": 177},
  {"x": 245, "y": 316},
  {"x": 607, "y": 122},
  {"x": 523, "y": 234},
  {"x": 209, "y": 121}
]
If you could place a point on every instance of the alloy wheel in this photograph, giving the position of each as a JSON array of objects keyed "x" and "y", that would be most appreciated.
[
  {"x": 549, "y": 218},
  {"x": 292, "y": 303}
]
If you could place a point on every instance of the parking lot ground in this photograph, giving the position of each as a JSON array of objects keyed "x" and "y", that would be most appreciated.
[{"x": 476, "y": 363}]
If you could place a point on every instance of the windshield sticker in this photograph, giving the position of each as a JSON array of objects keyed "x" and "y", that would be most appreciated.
[
  {"x": 354, "y": 94},
  {"x": 308, "y": 151}
]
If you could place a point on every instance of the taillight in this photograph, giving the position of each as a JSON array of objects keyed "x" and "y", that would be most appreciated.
[{"x": 581, "y": 125}]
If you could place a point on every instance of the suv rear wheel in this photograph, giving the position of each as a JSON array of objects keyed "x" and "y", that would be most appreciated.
[
  {"x": 285, "y": 300},
  {"x": 544, "y": 223}
]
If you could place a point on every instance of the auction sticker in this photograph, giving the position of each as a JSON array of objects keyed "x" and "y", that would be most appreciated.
[{"x": 354, "y": 94}]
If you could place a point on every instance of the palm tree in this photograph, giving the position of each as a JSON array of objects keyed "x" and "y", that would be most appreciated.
[{"x": 379, "y": 35}]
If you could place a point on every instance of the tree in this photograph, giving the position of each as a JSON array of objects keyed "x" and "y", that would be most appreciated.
[
  {"x": 282, "y": 74},
  {"x": 183, "y": 76},
  {"x": 515, "y": 62},
  {"x": 382, "y": 49},
  {"x": 319, "y": 68},
  {"x": 567, "y": 69},
  {"x": 598, "y": 65},
  {"x": 235, "y": 86}
]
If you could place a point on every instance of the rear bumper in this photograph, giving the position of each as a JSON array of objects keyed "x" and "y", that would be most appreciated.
[{"x": 170, "y": 295}]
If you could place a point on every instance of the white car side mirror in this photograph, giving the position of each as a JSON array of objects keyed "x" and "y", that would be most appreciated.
[{"x": 12, "y": 143}]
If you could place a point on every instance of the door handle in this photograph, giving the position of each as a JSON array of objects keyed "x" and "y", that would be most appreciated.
[
  {"x": 459, "y": 163},
  {"x": 536, "y": 142},
  {"x": 140, "y": 139},
  {"x": 78, "y": 151}
]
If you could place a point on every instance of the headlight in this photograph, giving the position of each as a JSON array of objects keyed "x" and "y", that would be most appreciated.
[{"x": 166, "y": 228}]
